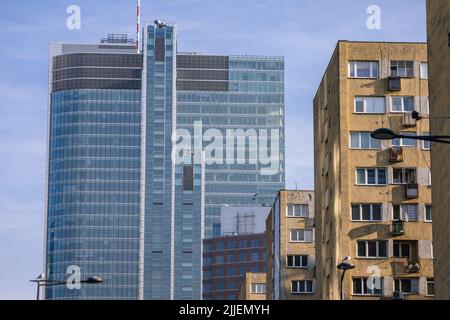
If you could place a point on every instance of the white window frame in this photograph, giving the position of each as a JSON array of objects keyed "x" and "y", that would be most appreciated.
[
  {"x": 367, "y": 249},
  {"x": 302, "y": 210},
  {"x": 364, "y": 98},
  {"x": 354, "y": 65},
  {"x": 402, "y": 141},
  {"x": 424, "y": 70},
  {"x": 303, "y": 257},
  {"x": 428, "y": 281},
  {"x": 425, "y": 212},
  {"x": 360, "y": 205},
  {"x": 258, "y": 288},
  {"x": 403, "y": 175},
  {"x": 306, "y": 287},
  {"x": 411, "y": 285},
  {"x": 391, "y": 63},
  {"x": 371, "y": 292},
  {"x": 366, "y": 177},
  {"x": 402, "y": 212},
  {"x": 298, "y": 233},
  {"x": 403, "y": 104},
  {"x": 359, "y": 147},
  {"x": 400, "y": 243},
  {"x": 424, "y": 142}
]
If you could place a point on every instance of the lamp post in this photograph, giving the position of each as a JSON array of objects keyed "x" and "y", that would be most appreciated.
[
  {"x": 344, "y": 266},
  {"x": 388, "y": 134},
  {"x": 42, "y": 282}
]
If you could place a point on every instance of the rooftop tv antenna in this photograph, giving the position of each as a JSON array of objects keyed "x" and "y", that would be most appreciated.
[{"x": 138, "y": 26}]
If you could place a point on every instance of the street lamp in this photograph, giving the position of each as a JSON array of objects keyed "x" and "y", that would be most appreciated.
[
  {"x": 42, "y": 282},
  {"x": 344, "y": 266},
  {"x": 388, "y": 134}
]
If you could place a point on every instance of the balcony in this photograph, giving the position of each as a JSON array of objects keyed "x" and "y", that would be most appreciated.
[
  {"x": 412, "y": 191},
  {"x": 408, "y": 121},
  {"x": 398, "y": 228},
  {"x": 396, "y": 154},
  {"x": 413, "y": 266},
  {"x": 394, "y": 84}
]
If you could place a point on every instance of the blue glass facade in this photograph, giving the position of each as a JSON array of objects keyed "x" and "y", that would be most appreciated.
[{"x": 93, "y": 191}]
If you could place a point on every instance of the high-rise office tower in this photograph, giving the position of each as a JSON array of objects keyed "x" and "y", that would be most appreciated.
[
  {"x": 129, "y": 202},
  {"x": 373, "y": 198}
]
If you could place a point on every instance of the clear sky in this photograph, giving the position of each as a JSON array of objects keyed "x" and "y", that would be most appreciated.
[{"x": 304, "y": 31}]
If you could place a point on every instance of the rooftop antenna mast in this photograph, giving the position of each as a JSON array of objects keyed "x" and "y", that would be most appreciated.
[{"x": 138, "y": 26}]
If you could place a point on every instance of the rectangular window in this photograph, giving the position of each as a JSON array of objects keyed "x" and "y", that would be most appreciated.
[
  {"x": 402, "y": 104},
  {"x": 297, "y": 210},
  {"x": 428, "y": 216},
  {"x": 363, "y": 286},
  {"x": 430, "y": 287},
  {"x": 302, "y": 286},
  {"x": 404, "y": 175},
  {"x": 258, "y": 288},
  {"x": 188, "y": 178},
  {"x": 372, "y": 249},
  {"x": 402, "y": 68},
  {"x": 426, "y": 145},
  {"x": 363, "y": 69},
  {"x": 370, "y": 105},
  {"x": 297, "y": 261},
  {"x": 371, "y": 176},
  {"x": 424, "y": 70},
  {"x": 363, "y": 140},
  {"x": 405, "y": 212},
  {"x": 301, "y": 235},
  {"x": 405, "y": 142},
  {"x": 408, "y": 286},
  {"x": 366, "y": 212},
  {"x": 402, "y": 249}
]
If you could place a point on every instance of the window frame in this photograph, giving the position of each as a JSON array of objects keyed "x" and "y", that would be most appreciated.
[
  {"x": 405, "y": 68},
  {"x": 427, "y": 282},
  {"x": 364, "y": 285},
  {"x": 400, "y": 249},
  {"x": 359, "y": 147},
  {"x": 306, "y": 287},
  {"x": 367, "y": 249},
  {"x": 421, "y": 71},
  {"x": 258, "y": 285},
  {"x": 377, "y": 169},
  {"x": 400, "y": 280},
  {"x": 355, "y": 100},
  {"x": 403, "y": 104},
  {"x": 402, "y": 141},
  {"x": 402, "y": 212},
  {"x": 404, "y": 180},
  {"x": 353, "y": 66},
  {"x": 360, "y": 205},
  {"x": 425, "y": 218},
  {"x": 301, "y": 205},
  {"x": 303, "y": 257},
  {"x": 301, "y": 241}
]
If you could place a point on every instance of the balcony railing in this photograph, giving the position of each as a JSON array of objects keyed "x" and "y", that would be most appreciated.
[
  {"x": 396, "y": 154},
  {"x": 398, "y": 228},
  {"x": 412, "y": 191}
]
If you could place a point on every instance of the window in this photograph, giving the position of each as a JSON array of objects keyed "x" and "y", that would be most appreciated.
[
  {"x": 360, "y": 287},
  {"x": 424, "y": 70},
  {"x": 402, "y": 68},
  {"x": 404, "y": 142},
  {"x": 297, "y": 261},
  {"x": 404, "y": 175},
  {"x": 408, "y": 286},
  {"x": 188, "y": 178},
  {"x": 402, "y": 249},
  {"x": 371, "y": 176},
  {"x": 430, "y": 287},
  {"x": 366, "y": 212},
  {"x": 370, "y": 105},
  {"x": 302, "y": 286},
  {"x": 363, "y": 140},
  {"x": 297, "y": 210},
  {"x": 405, "y": 212},
  {"x": 363, "y": 69},
  {"x": 258, "y": 288},
  {"x": 426, "y": 145},
  {"x": 402, "y": 104},
  {"x": 372, "y": 249},
  {"x": 218, "y": 259},
  {"x": 428, "y": 216},
  {"x": 302, "y": 235}
]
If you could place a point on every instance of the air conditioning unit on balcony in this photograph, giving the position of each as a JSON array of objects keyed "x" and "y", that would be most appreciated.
[
  {"x": 394, "y": 84},
  {"x": 408, "y": 121},
  {"x": 396, "y": 154},
  {"x": 398, "y": 295}
]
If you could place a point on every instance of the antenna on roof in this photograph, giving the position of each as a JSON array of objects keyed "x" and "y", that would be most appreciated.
[{"x": 138, "y": 26}]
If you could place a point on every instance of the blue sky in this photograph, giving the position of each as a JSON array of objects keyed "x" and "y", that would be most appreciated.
[{"x": 304, "y": 31}]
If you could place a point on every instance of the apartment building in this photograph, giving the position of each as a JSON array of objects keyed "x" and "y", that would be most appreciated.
[
  {"x": 438, "y": 25},
  {"x": 290, "y": 247},
  {"x": 373, "y": 197},
  {"x": 253, "y": 286}
]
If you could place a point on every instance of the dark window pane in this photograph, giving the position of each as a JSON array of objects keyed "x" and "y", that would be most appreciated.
[
  {"x": 366, "y": 212},
  {"x": 382, "y": 248},
  {"x": 372, "y": 245},
  {"x": 361, "y": 249},
  {"x": 188, "y": 178},
  {"x": 355, "y": 212},
  {"x": 376, "y": 212}
]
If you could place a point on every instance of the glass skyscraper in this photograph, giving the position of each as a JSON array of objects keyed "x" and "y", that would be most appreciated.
[{"x": 120, "y": 204}]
